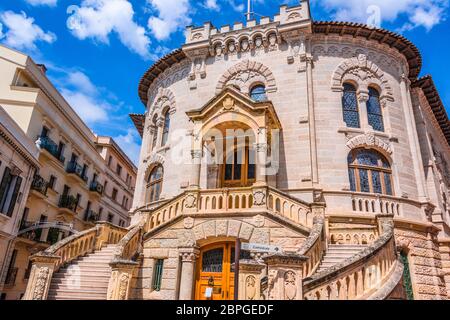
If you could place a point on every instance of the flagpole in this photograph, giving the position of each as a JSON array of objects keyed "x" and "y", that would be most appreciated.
[{"x": 249, "y": 3}]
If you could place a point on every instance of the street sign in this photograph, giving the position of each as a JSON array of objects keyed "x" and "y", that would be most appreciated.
[{"x": 259, "y": 247}]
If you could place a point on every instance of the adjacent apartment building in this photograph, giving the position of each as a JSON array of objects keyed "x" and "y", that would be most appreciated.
[{"x": 80, "y": 178}]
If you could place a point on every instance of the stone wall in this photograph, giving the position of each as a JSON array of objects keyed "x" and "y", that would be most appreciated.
[{"x": 198, "y": 232}]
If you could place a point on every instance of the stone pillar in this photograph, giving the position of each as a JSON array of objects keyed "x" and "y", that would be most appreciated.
[
  {"x": 285, "y": 276},
  {"x": 412, "y": 138},
  {"x": 261, "y": 163},
  {"x": 188, "y": 259},
  {"x": 312, "y": 120},
  {"x": 40, "y": 276},
  {"x": 120, "y": 281},
  {"x": 250, "y": 273},
  {"x": 160, "y": 128},
  {"x": 363, "y": 97},
  {"x": 194, "y": 182}
]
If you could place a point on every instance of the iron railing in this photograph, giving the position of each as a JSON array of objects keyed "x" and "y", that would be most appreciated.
[
  {"x": 76, "y": 169},
  {"x": 51, "y": 146},
  {"x": 40, "y": 185},
  {"x": 96, "y": 187},
  {"x": 68, "y": 202}
]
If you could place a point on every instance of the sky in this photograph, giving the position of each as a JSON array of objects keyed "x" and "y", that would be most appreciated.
[{"x": 97, "y": 50}]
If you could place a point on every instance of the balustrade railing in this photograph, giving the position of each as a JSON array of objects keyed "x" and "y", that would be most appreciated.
[
  {"x": 210, "y": 201},
  {"x": 75, "y": 168},
  {"x": 314, "y": 247},
  {"x": 68, "y": 202},
  {"x": 51, "y": 146},
  {"x": 40, "y": 185},
  {"x": 96, "y": 187},
  {"x": 359, "y": 276}
]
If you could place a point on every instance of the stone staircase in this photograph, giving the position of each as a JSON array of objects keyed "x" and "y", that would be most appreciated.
[
  {"x": 86, "y": 278},
  {"x": 337, "y": 253}
]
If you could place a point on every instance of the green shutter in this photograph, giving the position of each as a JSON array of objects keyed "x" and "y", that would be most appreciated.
[
  {"x": 157, "y": 275},
  {"x": 407, "y": 284},
  {"x": 12, "y": 204},
  {"x": 4, "y": 187}
]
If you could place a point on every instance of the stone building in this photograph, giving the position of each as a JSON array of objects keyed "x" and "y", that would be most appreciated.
[
  {"x": 18, "y": 164},
  {"x": 313, "y": 145},
  {"x": 81, "y": 178}
]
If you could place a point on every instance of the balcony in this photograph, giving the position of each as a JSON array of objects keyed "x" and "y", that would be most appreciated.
[
  {"x": 33, "y": 232},
  {"x": 96, "y": 187},
  {"x": 39, "y": 185},
  {"x": 11, "y": 276},
  {"x": 77, "y": 170},
  {"x": 48, "y": 144},
  {"x": 68, "y": 202},
  {"x": 91, "y": 216}
]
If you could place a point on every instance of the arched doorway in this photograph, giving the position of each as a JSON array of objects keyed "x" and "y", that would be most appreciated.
[{"x": 232, "y": 156}]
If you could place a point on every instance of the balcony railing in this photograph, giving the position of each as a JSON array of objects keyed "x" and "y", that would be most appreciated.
[
  {"x": 91, "y": 216},
  {"x": 40, "y": 185},
  {"x": 11, "y": 276},
  {"x": 68, "y": 202},
  {"x": 76, "y": 169},
  {"x": 96, "y": 187},
  {"x": 51, "y": 146}
]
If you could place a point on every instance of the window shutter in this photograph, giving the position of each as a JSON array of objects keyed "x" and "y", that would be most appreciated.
[
  {"x": 4, "y": 186},
  {"x": 12, "y": 204}
]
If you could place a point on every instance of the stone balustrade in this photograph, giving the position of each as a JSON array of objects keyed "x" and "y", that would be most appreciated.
[
  {"x": 47, "y": 262},
  {"x": 233, "y": 200},
  {"x": 360, "y": 276},
  {"x": 314, "y": 247}
]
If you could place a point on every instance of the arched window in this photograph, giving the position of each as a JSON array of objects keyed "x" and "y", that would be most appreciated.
[
  {"x": 154, "y": 184},
  {"x": 166, "y": 128},
  {"x": 258, "y": 93},
  {"x": 369, "y": 171},
  {"x": 374, "y": 110},
  {"x": 350, "y": 106}
]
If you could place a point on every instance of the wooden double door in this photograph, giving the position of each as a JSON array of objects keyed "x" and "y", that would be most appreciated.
[{"x": 215, "y": 274}]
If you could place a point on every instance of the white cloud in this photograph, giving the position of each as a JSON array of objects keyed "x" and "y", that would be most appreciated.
[
  {"x": 173, "y": 15},
  {"x": 88, "y": 107},
  {"x": 425, "y": 13},
  {"x": 212, "y": 5},
  {"x": 130, "y": 144},
  {"x": 51, "y": 3},
  {"x": 96, "y": 19},
  {"x": 22, "y": 33}
]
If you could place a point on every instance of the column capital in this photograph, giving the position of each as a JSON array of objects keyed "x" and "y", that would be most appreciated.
[{"x": 189, "y": 254}]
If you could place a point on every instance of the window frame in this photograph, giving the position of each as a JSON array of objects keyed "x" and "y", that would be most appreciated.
[
  {"x": 346, "y": 109},
  {"x": 158, "y": 269},
  {"x": 372, "y": 89},
  {"x": 356, "y": 167},
  {"x": 166, "y": 128},
  {"x": 263, "y": 94},
  {"x": 151, "y": 185}
]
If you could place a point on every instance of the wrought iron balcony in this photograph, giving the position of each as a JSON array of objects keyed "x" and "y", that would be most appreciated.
[
  {"x": 75, "y": 168},
  {"x": 40, "y": 185},
  {"x": 96, "y": 187},
  {"x": 91, "y": 216},
  {"x": 51, "y": 146},
  {"x": 11, "y": 276},
  {"x": 68, "y": 202}
]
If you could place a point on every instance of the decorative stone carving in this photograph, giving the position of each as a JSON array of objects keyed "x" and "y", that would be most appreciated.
[
  {"x": 123, "y": 286},
  {"x": 369, "y": 140},
  {"x": 191, "y": 201},
  {"x": 246, "y": 73},
  {"x": 364, "y": 72},
  {"x": 259, "y": 221},
  {"x": 250, "y": 287},
  {"x": 188, "y": 223},
  {"x": 41, "y": 283},
  {"x": 259, "y": 198},
  {"x": 290, "y": 287}
]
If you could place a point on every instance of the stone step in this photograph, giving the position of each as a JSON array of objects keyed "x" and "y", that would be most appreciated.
[
  {"x": 67, "y": 291},
  {"x": 77, "y": 296},
  {"x": 84, "y": 275},
  {"x": 79, "y": 287}
]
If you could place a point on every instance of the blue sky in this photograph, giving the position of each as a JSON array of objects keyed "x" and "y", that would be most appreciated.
[{"x": 97, "y": 50}]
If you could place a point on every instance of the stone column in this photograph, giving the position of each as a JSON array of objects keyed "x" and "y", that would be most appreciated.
[
  {"x": 261, "y": 162},
  {"x": 250, "y": 273},
  {"x": 120, "y": 281},
  {"x": 312, "y": 120},
  {"x": 194, "y": 182},
  {"x": 188, "y": 259},
  {"x": 40, "y": 277},
  {"x": 285, "y": 276},
  {"x": 363, "y": 97},
  {"x": 412, "y": 138},
  {"x": 160, "y": 128}
]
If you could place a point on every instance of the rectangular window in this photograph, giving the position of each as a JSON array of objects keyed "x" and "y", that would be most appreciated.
[
  {"x": 351, "y": 173},
  {"x": 52, "y": 182},
  {"x": 114, "y": 194},
  {"x": 119, "y": 169},
  {"x": 109, "y": 161},
  {"x": 110, "y": 217},
  {"x": 44, "y": 132},
  {"x": 376, "y": 182},
  {"x": 157, "y": 275},
  {"x": 388, "y": 184},
  {"x": 5, "y": 187}
]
